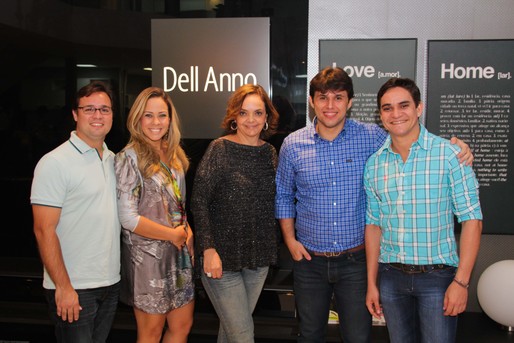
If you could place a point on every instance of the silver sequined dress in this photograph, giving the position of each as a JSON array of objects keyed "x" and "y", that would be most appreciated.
[{"x": 156, "y": 276}]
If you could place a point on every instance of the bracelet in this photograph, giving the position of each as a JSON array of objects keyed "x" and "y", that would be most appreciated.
[{"x": 460, "y": 283}]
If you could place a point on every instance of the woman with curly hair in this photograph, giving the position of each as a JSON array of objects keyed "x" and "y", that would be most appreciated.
[{"x": 233, "y": 207}]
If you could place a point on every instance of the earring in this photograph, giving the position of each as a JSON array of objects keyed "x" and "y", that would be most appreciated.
[
  {"x": 166, "y": 135},
  {"x": 233, "y": 125},
  {"x": 266, "y": 126}
]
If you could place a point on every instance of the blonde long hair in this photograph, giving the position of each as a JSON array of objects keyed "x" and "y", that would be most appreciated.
[{"x": 148, "y": 157}]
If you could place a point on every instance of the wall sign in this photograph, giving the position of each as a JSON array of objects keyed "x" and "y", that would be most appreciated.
[
  {"x": 469, "y": 95},
  {"x": 200, "y": 62},
  {"x": 370, "y": 63}
]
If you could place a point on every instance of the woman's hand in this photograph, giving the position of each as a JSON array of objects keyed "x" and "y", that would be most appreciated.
[
  {"x": 190, "y": 243},
  {"x": 179, "y": 236},
  {"x": 212, "y": 266}
]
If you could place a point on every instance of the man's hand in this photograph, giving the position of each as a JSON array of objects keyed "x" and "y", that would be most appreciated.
[
  {"x": 465, "y": 155},
  {"x": 298, "y": 251},
  {"x": 455, "y": 300},
  {"x": 373, "y": 303},
  {"x": 67, "y": 303}
]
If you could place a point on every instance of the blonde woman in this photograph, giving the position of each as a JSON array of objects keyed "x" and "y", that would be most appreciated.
[{"x": 157, "y": 245}]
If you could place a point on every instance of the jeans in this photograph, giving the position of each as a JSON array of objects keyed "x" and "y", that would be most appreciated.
[
  {"x": 95, "y": 319},
  {"x": 234, "y": 297},
  {"x": 316, "y": 281},
  {"x": 413, "y": 305}
]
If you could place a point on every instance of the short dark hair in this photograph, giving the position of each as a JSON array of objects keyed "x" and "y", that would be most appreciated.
[
  {"x": 331, "y": 78},
  {"x": 404, "y": 83},
  {"x": 93, "y": 87}
]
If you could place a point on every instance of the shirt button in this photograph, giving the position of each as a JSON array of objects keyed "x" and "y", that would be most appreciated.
[
  {"x": 335, "y": 204},
  {"x": 334, "y": 183},
  {"x": 332, "y": 163},
  {"x": 335, "y": 223}
]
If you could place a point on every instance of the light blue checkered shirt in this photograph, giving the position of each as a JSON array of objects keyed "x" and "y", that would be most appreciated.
[
  {"x": 414, "y": 202},
  {"x": 319, "y": 183}
]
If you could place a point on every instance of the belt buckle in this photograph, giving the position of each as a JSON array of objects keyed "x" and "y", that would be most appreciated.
[
  {"x": 332, "y": 254},
  {"x": 412, "y": 269}
]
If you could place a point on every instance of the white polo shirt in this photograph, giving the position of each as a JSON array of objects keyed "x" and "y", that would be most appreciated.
[{"x": 74, "y": 178}]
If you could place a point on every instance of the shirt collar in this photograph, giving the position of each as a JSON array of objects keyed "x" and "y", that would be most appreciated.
[
  {"x": 423, "y": 141},
  {"x": 348, "y": 124},
  {"x": 82, "y": 146}
]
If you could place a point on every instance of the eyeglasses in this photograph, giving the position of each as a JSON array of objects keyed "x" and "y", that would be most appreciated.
[{"x": 90, "y": 110}]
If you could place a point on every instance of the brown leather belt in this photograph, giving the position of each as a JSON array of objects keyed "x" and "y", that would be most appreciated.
[
  {"x": 338, "y": 253},
  {"x": 418, "y": 268}
]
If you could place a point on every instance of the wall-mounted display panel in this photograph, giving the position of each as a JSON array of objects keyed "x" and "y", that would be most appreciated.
[
  {"x": 200, "y": 62},
  {"x": 469, "y": 95},
  {"x": 370, "y": 63}
]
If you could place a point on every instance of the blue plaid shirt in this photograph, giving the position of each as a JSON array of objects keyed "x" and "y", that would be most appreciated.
[
  {"x": 319, "y": 183},
  {"x": 414, "y": 202}
]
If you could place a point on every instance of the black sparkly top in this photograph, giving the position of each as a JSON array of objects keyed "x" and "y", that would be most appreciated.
[{"x": 233, "y": 204}]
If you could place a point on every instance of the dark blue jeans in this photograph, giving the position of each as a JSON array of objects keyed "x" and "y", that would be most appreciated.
[
  {"x": 316, "y": 281},
  {"x": 413, "y": 305},
  {"x": 95, "y": 319}
]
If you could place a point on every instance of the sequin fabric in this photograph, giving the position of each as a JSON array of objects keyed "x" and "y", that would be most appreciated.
[{"x": 233, "y": 204}]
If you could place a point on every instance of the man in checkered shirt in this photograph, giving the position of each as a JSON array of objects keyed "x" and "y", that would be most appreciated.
[
  {"x": 321, "y": 207},
  {"x": 415, "y": 186}
]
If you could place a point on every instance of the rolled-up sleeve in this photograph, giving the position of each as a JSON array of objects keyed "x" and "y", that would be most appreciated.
[
  {"x": 464, "y": 191},
  {"x": 373, "y": 205},
  {"x": 286, "y": 185}
]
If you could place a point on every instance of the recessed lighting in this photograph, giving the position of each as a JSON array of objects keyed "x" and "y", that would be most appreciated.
[
  {"x": 147, "y": 69},
  {"x": 86, "y": 65}
]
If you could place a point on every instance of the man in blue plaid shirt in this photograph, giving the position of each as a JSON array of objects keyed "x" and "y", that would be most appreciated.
[
  {"x": 415, "y": 185},
  {"x": 321, "y": 207}
]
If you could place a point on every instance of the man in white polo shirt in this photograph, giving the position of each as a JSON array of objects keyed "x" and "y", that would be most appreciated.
[{"x": 76, "y": 223}]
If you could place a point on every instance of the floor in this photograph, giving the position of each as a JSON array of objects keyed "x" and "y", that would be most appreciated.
[
  {"x": 24, "y": 319},
  {"x": 474, "y": 328},
  {"x": 23, "y": 322}
]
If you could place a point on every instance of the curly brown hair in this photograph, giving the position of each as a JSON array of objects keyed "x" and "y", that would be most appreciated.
[{"x": 235, "y": 104}]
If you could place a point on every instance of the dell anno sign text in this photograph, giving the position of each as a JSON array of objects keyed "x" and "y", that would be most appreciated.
[{"x": 190, "y": 82}]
